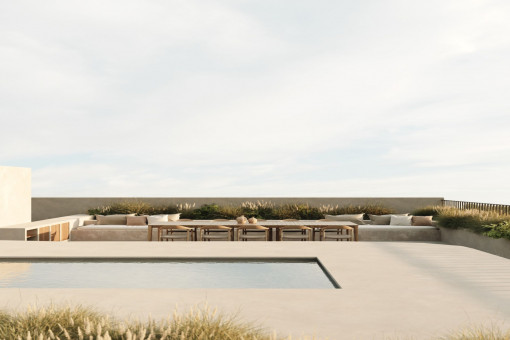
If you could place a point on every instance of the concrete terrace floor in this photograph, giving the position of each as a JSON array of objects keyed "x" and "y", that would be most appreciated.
[{"x": 389, "y": 289}]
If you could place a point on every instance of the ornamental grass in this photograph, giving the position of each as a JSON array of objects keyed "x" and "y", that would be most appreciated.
[
  {"x": 83, "y": 323},
  {"x": 259, "y": 209}
]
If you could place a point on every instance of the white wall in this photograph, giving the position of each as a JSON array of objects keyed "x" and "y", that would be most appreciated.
[{"x": 15, "y": 195}]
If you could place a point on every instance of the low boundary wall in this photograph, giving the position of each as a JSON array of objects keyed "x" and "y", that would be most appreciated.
[
  {"x": 51, "y": 207},
  {"x": 466, "y": 238}
]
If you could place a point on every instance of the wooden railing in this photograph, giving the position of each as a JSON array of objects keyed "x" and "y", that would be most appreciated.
[{"x": 499, "y": 208}]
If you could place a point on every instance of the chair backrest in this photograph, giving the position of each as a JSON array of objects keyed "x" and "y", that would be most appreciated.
[
  {"x": 252, "y": 227},
  {"x": 216, "y": 227},
  {"x": 295, "y": 227}
]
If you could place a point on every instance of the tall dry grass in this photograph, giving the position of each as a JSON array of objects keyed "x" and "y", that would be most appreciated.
[
  {"x": 258, "y": 209},
  {"x": 479, "y": 333},
  {"x": 86, "y": 324}
]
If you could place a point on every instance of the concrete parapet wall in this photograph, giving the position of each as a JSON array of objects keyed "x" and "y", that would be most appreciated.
[
  {"x": 398, "y": 233},
  {"x": 18, "y": 232},
  {"x": 50, "y": 207},
  {"x": 15, "y": 195},
  {"x": 466, "y": 238}
]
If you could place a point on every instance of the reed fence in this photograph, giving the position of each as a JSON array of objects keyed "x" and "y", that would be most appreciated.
[{"x": 499, "y": 208}]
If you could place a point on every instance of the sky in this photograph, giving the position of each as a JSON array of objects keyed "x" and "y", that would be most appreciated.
[{"x": 245, "y": 98}]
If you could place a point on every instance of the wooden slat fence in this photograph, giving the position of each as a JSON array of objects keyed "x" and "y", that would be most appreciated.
[{"x": 499, "y": 208}]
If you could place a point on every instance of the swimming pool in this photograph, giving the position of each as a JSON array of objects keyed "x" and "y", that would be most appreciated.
[{"x": 299, "y": 273}]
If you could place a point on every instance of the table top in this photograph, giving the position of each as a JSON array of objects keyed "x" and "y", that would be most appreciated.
[{"x": 266, "y": 223}]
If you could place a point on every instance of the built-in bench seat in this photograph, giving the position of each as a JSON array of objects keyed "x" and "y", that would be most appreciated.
[
  {"x": 111, "y": 233},
  {"x": 392, "y": 233},
  {"x": 366, "y": 232}
]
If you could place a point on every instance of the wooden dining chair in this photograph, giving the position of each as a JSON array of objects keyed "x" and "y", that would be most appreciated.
[
  {"x": 175, "y": 232},
  {"x": 216, "y": 232},
  {"x": 338, "y": 233},
  {"x": 252, "y": 232},
  {"x": 301, "y": 233},
  {"x": 168, "y": 231}
]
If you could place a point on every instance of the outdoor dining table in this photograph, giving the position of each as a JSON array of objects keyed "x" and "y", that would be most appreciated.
[{"x": 271, "y": 224}]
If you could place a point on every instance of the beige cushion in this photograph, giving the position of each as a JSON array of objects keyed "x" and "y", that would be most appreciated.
[
  {"x": 355, "y": 218},
  {"x": 112, "y": 219},
  {"x": 382, "y": 219},
  {"x": 157, "y": 218},
  {"x": 136, "y": 220},
  {"x": 89, "y": 222},
  {"x": 422, "y": 220},
  {"x": 174, "y": 217},
  {"x": 401, "y": 220}
]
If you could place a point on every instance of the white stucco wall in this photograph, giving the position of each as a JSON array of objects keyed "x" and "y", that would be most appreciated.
[{"x": 15, "y": 195}]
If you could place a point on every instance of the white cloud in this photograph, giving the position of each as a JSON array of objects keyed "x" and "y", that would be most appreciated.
[{"x": 253, "y": 98}]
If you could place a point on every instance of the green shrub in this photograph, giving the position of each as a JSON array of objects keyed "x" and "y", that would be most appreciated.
[
  {"x": 498, "y": 230},
  {"x": 85, "y": 323}
]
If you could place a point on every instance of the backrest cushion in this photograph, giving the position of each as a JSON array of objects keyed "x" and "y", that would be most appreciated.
[
  {"x": 157, "y": 218},
  {"x": 136, "y": 220},
  {"x": 422, "y": 220},
  {"x": 90, "y": 222},
  {"x": 400, "y": 220},
  {"x": 382, "y": 219},
  {"x": 174, "y": 217},
  {"x": 112, "y": 219},
  {"x": 355, "y": 218}
]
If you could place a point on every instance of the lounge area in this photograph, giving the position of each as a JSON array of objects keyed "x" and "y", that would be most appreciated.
[{"x": 332, "y": 227}]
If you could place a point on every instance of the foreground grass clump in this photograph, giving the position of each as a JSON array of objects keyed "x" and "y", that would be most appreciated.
[
  {"x": 84, "y": 324},
  {"x": 259, "y": 209},
  {"x": 479, "y": 333}
]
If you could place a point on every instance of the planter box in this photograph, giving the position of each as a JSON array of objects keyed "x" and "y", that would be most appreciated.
[{"x": 463, "y": 237}]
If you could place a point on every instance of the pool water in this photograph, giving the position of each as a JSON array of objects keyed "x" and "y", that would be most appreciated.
[{"x": 165, "y": 273}]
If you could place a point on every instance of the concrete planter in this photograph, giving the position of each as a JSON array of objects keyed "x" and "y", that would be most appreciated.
[{"x": 463, "y": 237}]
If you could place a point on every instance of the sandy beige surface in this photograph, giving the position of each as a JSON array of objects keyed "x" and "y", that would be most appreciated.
[{"x": 388, "y": 289}]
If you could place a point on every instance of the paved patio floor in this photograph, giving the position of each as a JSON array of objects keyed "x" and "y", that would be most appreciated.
[{"x": 417, "y": 290}]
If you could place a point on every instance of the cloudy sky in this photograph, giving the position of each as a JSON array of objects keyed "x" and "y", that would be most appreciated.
[{"x": 258, "y": 98}]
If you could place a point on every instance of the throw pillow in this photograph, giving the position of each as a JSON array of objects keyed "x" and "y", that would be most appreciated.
[
  {"x": 355, "y": 218},
  {"x": 380, "y": 219},
  {"x": 422, "y": 220},
  {"x": 136, "y": 220},
  {"x": 400, "y": 220},
  {"x": 174, "y": 217},
  {"x": 157, "y": 218}
]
